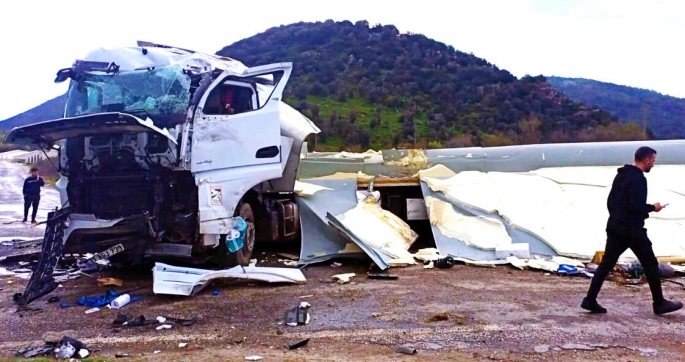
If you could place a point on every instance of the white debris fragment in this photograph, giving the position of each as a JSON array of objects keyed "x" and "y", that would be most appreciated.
[
  {"x": 253, "y": 358},
  {"x": 401, "y": 262},
  {"x": 563, "y": 260},
  {"x": 161, "y": 320},
  {"x": 428, "y": 266},
  {"x": 516, "y": 262},
  {"x": 427, "y": 254},
  {"x": 92, "y": 310},
  {"x": 182, "y": 345},
  {"x": 343, "y": 278},
  {"x": 307, "y": 189},
  {"x": 543, "y": 265},
  {"x": 678, "y": 268},
  {"x": 164, "y": 326},
  {"x": 5, "y": 272}
]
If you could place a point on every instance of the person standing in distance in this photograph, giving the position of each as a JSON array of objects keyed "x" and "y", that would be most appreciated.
[
  {"x": 628, "y": 209},
  {"x": 32, "y": 186}
]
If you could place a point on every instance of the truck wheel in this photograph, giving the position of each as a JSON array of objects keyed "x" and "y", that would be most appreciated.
[{"x": 243, "y": 255}]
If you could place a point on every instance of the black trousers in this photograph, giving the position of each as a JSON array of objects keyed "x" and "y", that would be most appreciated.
[
  {"x": 31, "y": 201},
  {"x": 618, "y": 242}
]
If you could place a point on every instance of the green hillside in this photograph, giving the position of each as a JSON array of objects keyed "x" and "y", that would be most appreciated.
[{"x": 370, "y": 86}]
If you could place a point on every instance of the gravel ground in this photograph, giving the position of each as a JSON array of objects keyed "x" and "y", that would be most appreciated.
[{"x": 463, "y": 313}]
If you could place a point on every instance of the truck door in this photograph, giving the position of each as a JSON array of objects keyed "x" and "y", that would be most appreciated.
[{"x": 237, "y": 124}]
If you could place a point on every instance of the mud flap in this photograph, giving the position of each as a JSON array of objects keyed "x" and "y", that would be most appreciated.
[{"x": 42, "y": 281}]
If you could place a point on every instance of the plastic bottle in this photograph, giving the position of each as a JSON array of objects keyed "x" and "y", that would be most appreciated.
[{"x": 121, "y": 301}]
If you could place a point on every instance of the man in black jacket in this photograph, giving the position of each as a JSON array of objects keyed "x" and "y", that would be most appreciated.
[
  {"x": 628, "y": 209},
  {"x": 32, "y": 186}
]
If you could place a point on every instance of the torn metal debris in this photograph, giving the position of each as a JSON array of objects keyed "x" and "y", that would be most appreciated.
[{"x": 174, "y": 280}]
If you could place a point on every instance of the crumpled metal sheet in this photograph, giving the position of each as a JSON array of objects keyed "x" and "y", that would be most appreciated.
[
  {"x": 459, "y": 249},
  {"x": 380, "y": 258},
  {"x": 320, "y": 242},
  {"x": 176, "y": 280}
]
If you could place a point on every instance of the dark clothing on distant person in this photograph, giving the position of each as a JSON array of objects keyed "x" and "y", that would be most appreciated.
[
  {"x": 32, "y": 187},
  {"x": 28, "y": 202}
]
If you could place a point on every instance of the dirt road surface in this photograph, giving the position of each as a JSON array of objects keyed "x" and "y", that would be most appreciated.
[{"x": 458, "y": 314}]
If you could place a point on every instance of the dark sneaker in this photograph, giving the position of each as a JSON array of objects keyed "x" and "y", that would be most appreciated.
[
  {"x": 34, "y": 221},
  {"x": 666, "y": 307},
  {"x": 592, "y": 306},
  {"x": 23, "y": 220}
]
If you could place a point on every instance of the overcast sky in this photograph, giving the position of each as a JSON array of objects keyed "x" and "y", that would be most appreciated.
[{"x": 628, "y": 42}]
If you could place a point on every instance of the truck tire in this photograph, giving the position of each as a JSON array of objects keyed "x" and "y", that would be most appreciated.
[{"x": 244, "y": 254}]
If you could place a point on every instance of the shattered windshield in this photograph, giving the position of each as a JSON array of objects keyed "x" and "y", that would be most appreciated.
[{"x": 163, "y": 93}]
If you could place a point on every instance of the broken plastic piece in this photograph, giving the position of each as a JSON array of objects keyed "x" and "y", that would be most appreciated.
[
  {"x": 297, "y": 344},
  {"x": 516, "y": 262},
  {"x": 175, "y": 280},
  {"x": 33, "y": 352},
  {"x": 253, "y": 358},
  {"x": 83, "y": 353},
  {"x": 382, "y": 276},
  {"x": 65, "y": 351},
  {"x": 92, "y": 310},
  {"x": 343, "y": 278},
  {"x": 298, "y": 315},
  {"x": 182, "y": 345},
  {"x": 235, "y": 239},
  {"x": 406, "y": 349},
  {"x": 141, "y": 321},
  {"x": 183, "y": 322},
  {"x": 568, "y": 269},
  {"x": 164, "y": 326}
]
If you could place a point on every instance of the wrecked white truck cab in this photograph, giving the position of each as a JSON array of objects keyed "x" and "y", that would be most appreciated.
[{"x": 162, "y": 150}]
